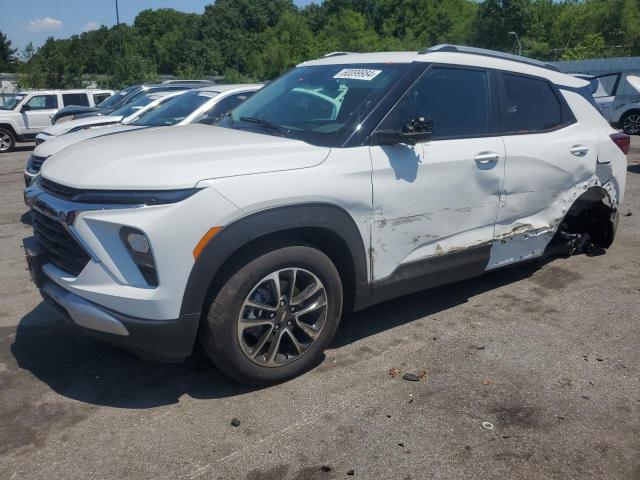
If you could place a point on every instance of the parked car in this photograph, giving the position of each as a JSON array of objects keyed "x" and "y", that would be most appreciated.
[
  {"x": 127, "y": 113},
  {"x": 205, "y": 105},
  {"x": 120, "y": 99},
  {"x": 618, "y": 100},
  {"x": 255, "y": 235},
  {"x": 27, "y": 113}
]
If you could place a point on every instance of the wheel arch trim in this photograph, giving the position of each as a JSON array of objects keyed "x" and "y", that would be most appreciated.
[{"x": 254, "y": 226}]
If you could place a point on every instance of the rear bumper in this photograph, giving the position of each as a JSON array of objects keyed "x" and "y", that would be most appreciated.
[{"x": 167, "y": 340}]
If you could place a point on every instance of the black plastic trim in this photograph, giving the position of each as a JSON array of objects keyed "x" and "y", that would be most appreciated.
[
  {"x": 168, "y": 340},
  {"x": 239, "y": 233},
  {"x": 432, "y": 272}
]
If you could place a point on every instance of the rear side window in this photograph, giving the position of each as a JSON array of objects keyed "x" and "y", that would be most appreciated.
[
  {"x": 98, "y": 98},
  {"x": 455, "y": 100},
  {"x": 79, "y": 99},
  {"x": 530, "y": 105},
  {"x": 43, "y": 102}
]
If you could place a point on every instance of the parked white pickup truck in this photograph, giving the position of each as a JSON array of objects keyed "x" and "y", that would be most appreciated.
[{"x": 26, "y": 114}]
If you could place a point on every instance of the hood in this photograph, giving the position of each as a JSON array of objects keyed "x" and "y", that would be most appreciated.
[
  {"x": 55, "y": 144},
  {"x": 167, "y": 158},
  {"x": 74, "y": 109},
  {"x": 62, "y": 128}
]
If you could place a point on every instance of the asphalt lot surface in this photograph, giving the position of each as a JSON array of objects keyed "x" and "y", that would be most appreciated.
[{"x": 549, "y": 355}]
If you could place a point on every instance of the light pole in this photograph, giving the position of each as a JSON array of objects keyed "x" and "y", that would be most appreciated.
[{"x": 517, "y": 41}]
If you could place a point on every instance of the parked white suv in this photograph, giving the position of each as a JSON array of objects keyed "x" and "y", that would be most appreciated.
[
  {"x": 350, "y": 180},
  {"x": 204, "y": 105},
  {"x": 25, "y": 114}
]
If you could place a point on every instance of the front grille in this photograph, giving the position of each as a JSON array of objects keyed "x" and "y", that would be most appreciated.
[
  {"x": 35, "y": 164},
  {"x": 57, "y": 190},
  {"x": 63, "y": 250}
]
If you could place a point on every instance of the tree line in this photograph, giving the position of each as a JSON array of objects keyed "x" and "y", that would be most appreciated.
[{"x": 247, "y": 40}]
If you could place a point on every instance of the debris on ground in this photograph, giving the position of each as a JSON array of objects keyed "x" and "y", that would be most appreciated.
[
  {"x": 411, "y": 377},
  {"x": 487, "y": 382},
  {"x": 235, "y": 422},
  {"x": 628, "y": 214},
  {"x": 600, "y": 359},
  {"x": 325, "y": 468},
  {"x": 351, "y": 472},
  {"x": 394, "y": 371},
  {"x": 388, "y": 416},
  {"x": 487, "y": 425},
  {"x": 401, "y": 444},
  {"x": 422, "y": 374}
]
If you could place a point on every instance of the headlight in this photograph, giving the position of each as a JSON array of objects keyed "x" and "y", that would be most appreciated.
[{"x": 138, "y": 246}]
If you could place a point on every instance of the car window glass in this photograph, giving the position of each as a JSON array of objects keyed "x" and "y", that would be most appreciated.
[
  {"x": 43, "y": 102},
  {"x": 531, "y": 105},
  {"x": 220, "y": 109},
  {"x": 319, "y": 104},
  {"x": 79, "y": 99},
  {"x": 607, "y": 84},
  {"x": 100, "y": 97},
  {"x": 174, "y": 110},
  {"x": 455, "y": 100}
]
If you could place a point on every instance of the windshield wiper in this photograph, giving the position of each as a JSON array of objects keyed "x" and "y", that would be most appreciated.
[{"x": 267, "y": 124}]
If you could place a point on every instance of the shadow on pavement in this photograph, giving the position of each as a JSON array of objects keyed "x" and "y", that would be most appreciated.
[
  {"x": 400, "y": 311},
  {"x": 79, "y": 367}
]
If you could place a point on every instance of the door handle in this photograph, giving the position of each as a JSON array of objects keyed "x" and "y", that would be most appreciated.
[
  {"x": 579, "y": 150},
  {"x": 487, "y": 157}
]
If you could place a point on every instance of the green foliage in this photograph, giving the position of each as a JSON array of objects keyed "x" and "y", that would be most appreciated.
[
  {"x": 7, "y": 54},
  {"x": 247, "y": 40}
]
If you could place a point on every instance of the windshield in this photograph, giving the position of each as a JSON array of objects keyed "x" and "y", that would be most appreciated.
[
  {"x": 175, "y": 110},
  {"x": 11, "y": 102},
  {"x": 133, "y": 107},
  {"x": 117, "y": 98},
  {"x": 321, "y": 105}
]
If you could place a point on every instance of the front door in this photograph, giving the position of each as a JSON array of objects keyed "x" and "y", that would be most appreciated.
[
  {"x": 435, "y": 203},
  {"x": 37, "y": 112}
]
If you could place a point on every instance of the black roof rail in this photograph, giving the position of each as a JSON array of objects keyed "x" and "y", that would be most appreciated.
[{"x": 444, "y": 47}]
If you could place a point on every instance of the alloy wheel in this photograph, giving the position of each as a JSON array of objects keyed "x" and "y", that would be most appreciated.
[
  {"x": 631, "y": 124},
  {"x": 5, "y": 142},
  {"x": 282, "y": 317}
]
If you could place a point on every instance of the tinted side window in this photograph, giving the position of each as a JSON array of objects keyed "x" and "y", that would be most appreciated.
[
  {"x": 98, "y": 98},
  {"x": 455, "y": 100},
  {"x": 79, "y": 99},
  {"x": 43, "y": 102},
  {"x": 531, "y": 105}
]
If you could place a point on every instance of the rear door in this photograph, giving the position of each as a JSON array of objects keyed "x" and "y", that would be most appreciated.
[
  {"x": 549, "y": 155},
  {"x": 439, "y": 199}
]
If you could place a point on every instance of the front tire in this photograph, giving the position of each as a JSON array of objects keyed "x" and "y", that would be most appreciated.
[
  {"x": 275, "y": 316},
  {"x": 631, "y": 123},
  {"x": 7, "y": 140}
]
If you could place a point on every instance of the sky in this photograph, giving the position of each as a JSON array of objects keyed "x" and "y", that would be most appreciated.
[{"x": 25, "y": 21}]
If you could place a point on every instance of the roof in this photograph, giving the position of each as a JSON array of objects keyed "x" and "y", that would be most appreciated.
[
  {"x": 470, "y": 58},
  {"x": 233, "y": 86},
  {"x": 71, "y": 90}
]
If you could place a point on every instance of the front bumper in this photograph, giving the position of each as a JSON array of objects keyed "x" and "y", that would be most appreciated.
[{"x": 167, "y": 340}]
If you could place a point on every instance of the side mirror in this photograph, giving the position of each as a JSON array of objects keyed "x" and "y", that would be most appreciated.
[
  {"x": 393, "y": 137},
  {"x": 25, "y": 108},
  {"x": 416, "y": 130}
]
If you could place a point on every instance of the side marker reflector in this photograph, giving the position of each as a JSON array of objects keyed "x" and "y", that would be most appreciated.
[{"x": 206, "y": 238}]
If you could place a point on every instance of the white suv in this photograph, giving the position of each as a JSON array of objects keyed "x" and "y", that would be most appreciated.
[
  {"x": 25, "y": 114},
  {"x": 350, "y": 180}
]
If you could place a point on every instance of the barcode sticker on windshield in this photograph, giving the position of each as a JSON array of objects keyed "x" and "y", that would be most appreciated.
[{"x": 357, "y": 74}]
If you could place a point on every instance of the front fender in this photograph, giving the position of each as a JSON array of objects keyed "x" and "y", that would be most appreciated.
[{"x": 274, "y": 220}]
